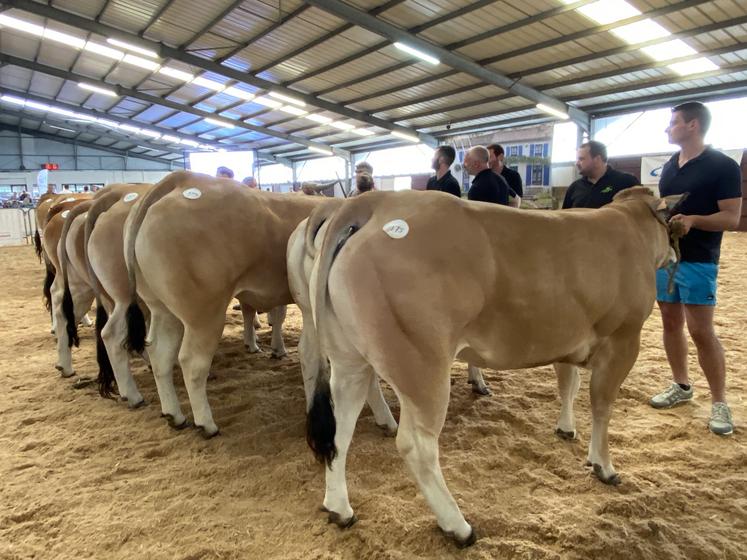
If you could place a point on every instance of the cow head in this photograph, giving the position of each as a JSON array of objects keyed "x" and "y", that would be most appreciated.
[{"x": 663, "y": 209}]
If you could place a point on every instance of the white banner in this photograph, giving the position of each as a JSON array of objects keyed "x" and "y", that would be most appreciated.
[
  {"x": 651, "y": 166},
  {"x": 42, "y": 180}
]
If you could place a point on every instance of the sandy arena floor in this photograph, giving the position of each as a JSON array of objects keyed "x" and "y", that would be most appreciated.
[{"x": 83, "y": 477}]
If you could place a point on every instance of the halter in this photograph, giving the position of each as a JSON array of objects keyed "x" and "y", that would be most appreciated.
[{"x": 675, "y": 232}]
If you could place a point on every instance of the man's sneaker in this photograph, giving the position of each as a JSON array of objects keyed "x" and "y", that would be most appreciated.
[
  {"x": 721, "y": 422},
  {"x": 672, "y": 396}
]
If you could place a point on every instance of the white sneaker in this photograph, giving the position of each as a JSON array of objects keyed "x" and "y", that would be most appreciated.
[
  {"x": 721, "y": 422},
  {"x": 672, "y": 396}
]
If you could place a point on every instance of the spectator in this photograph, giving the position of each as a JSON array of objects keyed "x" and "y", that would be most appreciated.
[
  {"x": 497, "y": 162},
  {"x": 224, "y": 172},
  {"x": 443, "y": 180},
  {"x": 486, "y": 186},
  {"x": 599, "y": 182},
  {"x": 363, "y": 183}
]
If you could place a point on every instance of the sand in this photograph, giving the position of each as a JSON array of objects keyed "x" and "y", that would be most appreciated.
[{"x": 84, "y": 477}]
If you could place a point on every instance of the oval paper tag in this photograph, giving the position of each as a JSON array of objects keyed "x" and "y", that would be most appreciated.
[
  {"x": 65, "y": 213},
  {"x": 71, "y": 199},
  {"x": 396, "y": 229},
  {"x": 129, "y": 197},
  {"x": 192, "y": 193}
]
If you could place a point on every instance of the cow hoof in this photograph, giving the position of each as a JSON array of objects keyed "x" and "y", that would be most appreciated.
[
  {"x": 207, "y": 434},
  {"x": 134, "y": 406},
  {"x": 568, "y": 436},
  {"x": 389, "y": 431},
  {"x": 172, "y": 422},
  {"x": 278, "y": 355},
  {"x": 469, "y": 541},
  {"x": 82, "y": 382},
  {"x": 336, "y": 518},
  {"x": 612, "y": 480},
  {"x": 62, "y": 372},
  {"x": 51, "y": 331},
  {"x": 478, "y": 390},
  {"x": 250, "y": 349}
]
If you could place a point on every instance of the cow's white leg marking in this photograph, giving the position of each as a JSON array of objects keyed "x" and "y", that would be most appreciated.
[
  {"x": 165, "y": 336},
  {"x": 421, "y": 420},
  {"x": 568, "y": 383},
  {"x": 349, "y": 384},
  {"x": 113, "y": 334},
  {"x": 276, "y": 317}
]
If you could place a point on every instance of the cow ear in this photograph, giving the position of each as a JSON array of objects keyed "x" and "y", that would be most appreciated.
[{"x": 673, "y": 203}]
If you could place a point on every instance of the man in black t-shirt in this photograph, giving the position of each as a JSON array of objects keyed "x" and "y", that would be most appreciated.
[
  {"x": 443, "y": 180},
  {"x": 713, "y": 182},
  {"x": 497, "y": 163},
  {"x": 599, "y": 183},
  {"x": 486, "y": 186}
]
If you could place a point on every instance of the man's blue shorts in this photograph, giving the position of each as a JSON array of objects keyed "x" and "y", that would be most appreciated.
[{"x": 694, "y": 284}]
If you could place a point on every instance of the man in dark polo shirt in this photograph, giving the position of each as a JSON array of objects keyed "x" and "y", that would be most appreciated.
[
  {"x": 599, "y": 183},
  {"x": 497, "y": 163},
  {"x": 713, "y": 182},
  {"x": 443, "y": 180},
  {"x": 486, "y": 186}
]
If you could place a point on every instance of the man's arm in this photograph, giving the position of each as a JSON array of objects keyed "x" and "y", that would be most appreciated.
[{"x": 727, "y": 217}]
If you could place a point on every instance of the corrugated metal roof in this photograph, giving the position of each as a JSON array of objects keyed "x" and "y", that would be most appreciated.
[{"x": 540, "y": 44}]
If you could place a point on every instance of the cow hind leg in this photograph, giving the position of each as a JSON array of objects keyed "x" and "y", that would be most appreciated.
[
  {"x": 165, "y": 336},
  {"x": 422, "y": 417},
  {"x": 113, "y": 334},
  {"x": 475, "y": 378},
  {"x": 382, "y": 414},
  {"x": 250, "y": 325},
  {"x": 276, "y": 317},
  {"x": 196, "y": 356},
  {"x": 349, "y": 384},
  {"x": 64, "y": 362},
  {"x": 610, "y": 366},
  {"x": 568, "y": 383}
]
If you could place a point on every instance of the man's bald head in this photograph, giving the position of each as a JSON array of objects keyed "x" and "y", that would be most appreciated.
[{"x": 476, "y": 159}]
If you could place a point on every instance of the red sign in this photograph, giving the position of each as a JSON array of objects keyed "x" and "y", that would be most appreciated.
[{"x": 50, "y": 166}]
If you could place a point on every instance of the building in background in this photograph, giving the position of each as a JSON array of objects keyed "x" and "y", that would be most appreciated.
[{"x": 528, "y": 151}]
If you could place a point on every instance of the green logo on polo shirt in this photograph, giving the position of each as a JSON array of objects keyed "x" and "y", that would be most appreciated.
[{"x": 606, "y": 190}]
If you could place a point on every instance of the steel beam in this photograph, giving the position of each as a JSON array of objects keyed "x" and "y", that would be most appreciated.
[
  {"x": 148, "y": 98},
  {"x": 450, "y": 58},
  {"x": 166, "y": 51},
  {"x": 63, "y": 140}
]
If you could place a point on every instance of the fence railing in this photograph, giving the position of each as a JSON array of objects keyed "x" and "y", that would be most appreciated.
[{"x": 17, "y": 226}]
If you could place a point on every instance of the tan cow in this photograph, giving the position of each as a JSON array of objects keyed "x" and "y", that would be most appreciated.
[
  {"x": 78, "y": 288},
  {"x": 303, "y": 245},
  {"x": 192, "y": 244},
  {"x": 40, "y": 214},
  {"x": 393, "y": 288},
  {"x": 45, "y": 211},
  {"x": 104, "y": 241},
  {"x": 50, "y": 241}
]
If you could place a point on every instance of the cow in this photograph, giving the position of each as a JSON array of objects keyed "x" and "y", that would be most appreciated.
[
  {"x": 104, "y": 242},
  {"x": 303, "y": 245},
  {"x": 394, "y": 289},
  {"x": 53, "y": 224},
  {"x": 77, "y": 295},
  {"x": 40, "y": 215},
  {"x": 192, "y": 244},
  {"x": 47, "y": 206}
]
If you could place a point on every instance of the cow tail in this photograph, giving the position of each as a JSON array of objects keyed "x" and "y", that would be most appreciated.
[
  {"x": 320, "y": 420},
  {"x": 136, "y": 330}
]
